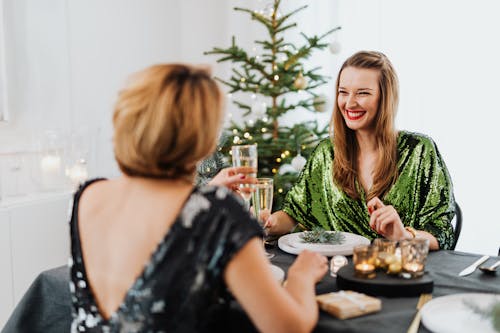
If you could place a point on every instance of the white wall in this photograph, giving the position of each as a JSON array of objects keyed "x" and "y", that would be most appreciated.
[{"x": 446, "y": 55}]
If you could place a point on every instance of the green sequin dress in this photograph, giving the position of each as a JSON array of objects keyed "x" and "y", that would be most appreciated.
[{"x": 422, "y": 193}]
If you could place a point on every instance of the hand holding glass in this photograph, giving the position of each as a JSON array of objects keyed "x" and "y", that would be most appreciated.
[{"x": 245, "y": 156}]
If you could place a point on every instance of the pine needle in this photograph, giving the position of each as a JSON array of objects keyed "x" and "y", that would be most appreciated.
[{"x": 319, "y": 235}]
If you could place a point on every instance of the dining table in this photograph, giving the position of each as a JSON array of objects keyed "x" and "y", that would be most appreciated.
[{"x": 46, "y": 306}]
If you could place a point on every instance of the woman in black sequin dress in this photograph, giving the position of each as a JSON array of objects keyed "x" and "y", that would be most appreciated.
[{"x": 153, "y": 253}]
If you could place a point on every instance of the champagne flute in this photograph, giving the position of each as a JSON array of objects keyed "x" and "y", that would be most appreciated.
[
  {"x": 245, "y": 156},
  {"x": 262, "y": 198}
]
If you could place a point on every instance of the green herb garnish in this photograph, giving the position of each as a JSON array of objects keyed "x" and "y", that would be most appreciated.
[{"x": 319, "y": 235}]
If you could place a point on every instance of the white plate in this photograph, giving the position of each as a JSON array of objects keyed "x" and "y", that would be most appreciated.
[
  {"x": 292, "y": 243},
  {"x": 278, "y": 273},
  {"x": 450, "y": 314}
]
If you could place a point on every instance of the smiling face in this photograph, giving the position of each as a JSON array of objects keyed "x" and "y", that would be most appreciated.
[{"x": 358, "y": 97}]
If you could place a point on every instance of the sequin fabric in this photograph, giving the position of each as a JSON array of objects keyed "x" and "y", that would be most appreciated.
[
  {"x": 422, "y": 193},
  {"x": 181, "y": 288}
]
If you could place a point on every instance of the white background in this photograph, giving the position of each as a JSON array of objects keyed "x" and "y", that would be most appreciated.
[{"x": 67, "y": 59}]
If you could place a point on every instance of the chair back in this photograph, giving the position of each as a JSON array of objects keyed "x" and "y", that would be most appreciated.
[{"x": 457, "y": 224}]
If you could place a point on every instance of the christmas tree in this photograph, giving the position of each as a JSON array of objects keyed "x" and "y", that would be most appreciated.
[{"x": 270, "y": 77}]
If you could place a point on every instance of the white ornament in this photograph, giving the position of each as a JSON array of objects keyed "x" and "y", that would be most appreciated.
[
  {"x": 267, "y": 136},
  {"x": 335, "y": 47},
  {"x": 259, "y": 108},
  {"x": 298, "y": 162},
  {"x": 286, "y": 168},
  {"x": 320, "y": 103}
]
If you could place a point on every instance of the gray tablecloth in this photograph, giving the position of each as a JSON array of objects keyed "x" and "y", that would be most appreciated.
[{"x": 46, "y": 305}]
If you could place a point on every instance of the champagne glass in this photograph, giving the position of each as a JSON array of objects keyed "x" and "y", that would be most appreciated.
[
  {"x": 262, "y": 198},
  {"x": 245, "y": 156}
]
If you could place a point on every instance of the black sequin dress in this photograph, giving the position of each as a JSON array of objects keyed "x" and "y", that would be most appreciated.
[{"x": 181, "y": 288}]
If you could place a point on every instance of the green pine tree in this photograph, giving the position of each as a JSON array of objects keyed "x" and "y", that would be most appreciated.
[{"x": 276, "y": 73}]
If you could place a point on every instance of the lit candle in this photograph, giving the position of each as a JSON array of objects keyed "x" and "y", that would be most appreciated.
[
  {"x": 50, "y": 164},
  {"x": 77, "y": 174},
  {"x": 364, "y": 268},
  {"x": 413, "y": 267}
]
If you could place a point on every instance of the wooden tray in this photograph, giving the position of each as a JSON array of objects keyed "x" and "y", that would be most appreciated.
[{"x": 384, "y": 284}]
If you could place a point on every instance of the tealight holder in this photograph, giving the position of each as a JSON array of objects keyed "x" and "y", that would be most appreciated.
[
  {"x": 364, "y": 258},
  {"x": 386, "y": 251},
  {"x": 413, "y": 255}
]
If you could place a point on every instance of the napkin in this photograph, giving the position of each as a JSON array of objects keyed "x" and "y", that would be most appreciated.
[{"x": 348, "y": 304}]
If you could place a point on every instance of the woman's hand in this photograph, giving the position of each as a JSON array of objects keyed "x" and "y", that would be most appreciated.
[
  {"x": 308, "y": 265},
  {"x": 279, "y": 223},
  {"x": 385, "y": 220},
  {"x": 234, "y": 176}
]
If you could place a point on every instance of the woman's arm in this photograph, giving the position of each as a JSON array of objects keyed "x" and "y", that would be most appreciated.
[
  {"x": 280, "y": 223},
  {"x": 385, "y": 220},
  {"x": 273, "y": 308}
]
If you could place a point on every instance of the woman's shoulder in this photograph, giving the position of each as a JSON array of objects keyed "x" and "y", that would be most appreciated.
[
  {"x": 414, "y": 139},
  {"x": 324, "y": 147}
]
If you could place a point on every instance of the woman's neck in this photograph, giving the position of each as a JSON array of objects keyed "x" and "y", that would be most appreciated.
[{"x": 366, "y": 142}]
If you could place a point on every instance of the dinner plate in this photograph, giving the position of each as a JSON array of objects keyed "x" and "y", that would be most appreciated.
[
  {"x": 450, "y": 313},
  {"x": 293, "y": 243},
  {"x": 278, "y": 273}
]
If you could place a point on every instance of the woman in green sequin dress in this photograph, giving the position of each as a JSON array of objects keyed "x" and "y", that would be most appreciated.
[{"x": 368, "y": 178}]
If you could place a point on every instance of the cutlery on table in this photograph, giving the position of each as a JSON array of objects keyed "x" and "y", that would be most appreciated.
[
  {"x": 468, "y": 270},
  {"x": 490, "y": 270},
  {"x": 424, "y": 298}
]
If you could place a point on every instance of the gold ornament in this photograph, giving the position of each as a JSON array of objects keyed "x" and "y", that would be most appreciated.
[{"x": 300, "y": 82}]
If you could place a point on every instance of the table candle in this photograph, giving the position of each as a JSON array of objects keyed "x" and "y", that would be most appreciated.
[
  {"x": 50, "y": 164},
  {"x": 50, "y": 167},
  {"x": 364, "y": 268},
  {"x": 413, "y": 267},
  {"x": 77, "y": 174}
]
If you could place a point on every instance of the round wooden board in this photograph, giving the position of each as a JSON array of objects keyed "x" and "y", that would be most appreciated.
[{"x": 383, "y": 284}]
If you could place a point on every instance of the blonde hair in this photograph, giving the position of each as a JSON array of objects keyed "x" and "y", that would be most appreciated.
[
  {"x": 346, "y": 149},
  {"x": 166, "y": 120}
]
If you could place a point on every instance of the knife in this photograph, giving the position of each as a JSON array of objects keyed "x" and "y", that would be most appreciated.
[{"x": 473, "y": 267}]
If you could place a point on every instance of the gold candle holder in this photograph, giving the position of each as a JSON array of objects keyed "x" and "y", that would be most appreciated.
[
  {"x": 413, "y": 255},
  {"x": 364, "y": 258},
  {"x": 386, "y": 250}
]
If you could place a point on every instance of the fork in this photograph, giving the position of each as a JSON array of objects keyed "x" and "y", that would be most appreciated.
[{"x": 424, "y": 298}]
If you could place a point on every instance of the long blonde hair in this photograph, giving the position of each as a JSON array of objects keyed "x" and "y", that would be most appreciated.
[
  {"x": 166, "y": 120},
  {"x": 346, "y": 148}
]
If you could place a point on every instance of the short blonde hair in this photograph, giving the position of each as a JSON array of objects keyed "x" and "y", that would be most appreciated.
[{"x": 166, "y": 120}]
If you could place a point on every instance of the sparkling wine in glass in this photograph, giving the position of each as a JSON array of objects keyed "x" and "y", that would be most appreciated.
[
  {"x": 245, "y": 156},
  {"x": 262, "y": 198}
]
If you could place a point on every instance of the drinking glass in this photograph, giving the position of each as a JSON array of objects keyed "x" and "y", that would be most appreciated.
[
  {"x": 413, "y": 255},
  {"x": 262, "y": 198},
  {"x": 245, "y": 156}
]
